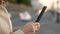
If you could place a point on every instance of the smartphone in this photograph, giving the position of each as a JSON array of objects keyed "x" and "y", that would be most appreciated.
[{"x": 40, "y": 15}]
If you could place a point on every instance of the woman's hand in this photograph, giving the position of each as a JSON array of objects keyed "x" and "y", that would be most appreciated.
[{"x": 30, "y": 28}]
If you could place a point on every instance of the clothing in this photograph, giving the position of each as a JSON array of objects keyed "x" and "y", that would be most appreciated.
[{"x": 5, "y": 23}]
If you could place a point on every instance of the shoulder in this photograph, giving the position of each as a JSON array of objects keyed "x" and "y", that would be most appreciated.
[{"x": 3, "y": 9}]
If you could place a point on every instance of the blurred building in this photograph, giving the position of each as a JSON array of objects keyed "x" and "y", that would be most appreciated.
[{"x": 49, "y": 3}]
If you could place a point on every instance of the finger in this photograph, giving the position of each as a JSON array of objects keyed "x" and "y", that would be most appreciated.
[
  {"x": 36, "y": 28},
  {"x": 37, "y": 25}
]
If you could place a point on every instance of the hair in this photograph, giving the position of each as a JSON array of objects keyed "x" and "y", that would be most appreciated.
[{"x": 2, "y": 2}]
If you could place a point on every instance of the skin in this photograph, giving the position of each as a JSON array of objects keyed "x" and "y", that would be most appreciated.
[{"x": 31, "y": 27}]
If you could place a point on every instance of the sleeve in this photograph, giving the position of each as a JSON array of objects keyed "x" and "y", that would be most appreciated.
[
  {"x": 5, "y": 27},
  {"x": 18, "y": 32}
]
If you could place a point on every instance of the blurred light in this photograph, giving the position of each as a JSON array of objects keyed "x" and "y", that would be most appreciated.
[
  {"x": 48, "y": 3},
  {"x": 39, "y": 11},
  {"x": 25, "y": 16}
]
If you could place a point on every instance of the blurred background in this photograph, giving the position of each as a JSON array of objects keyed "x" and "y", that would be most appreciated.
[{"x": 23, "y": 11}]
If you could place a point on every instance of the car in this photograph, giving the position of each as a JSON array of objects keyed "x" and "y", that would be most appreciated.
[{"x": 25, "y": 16}]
